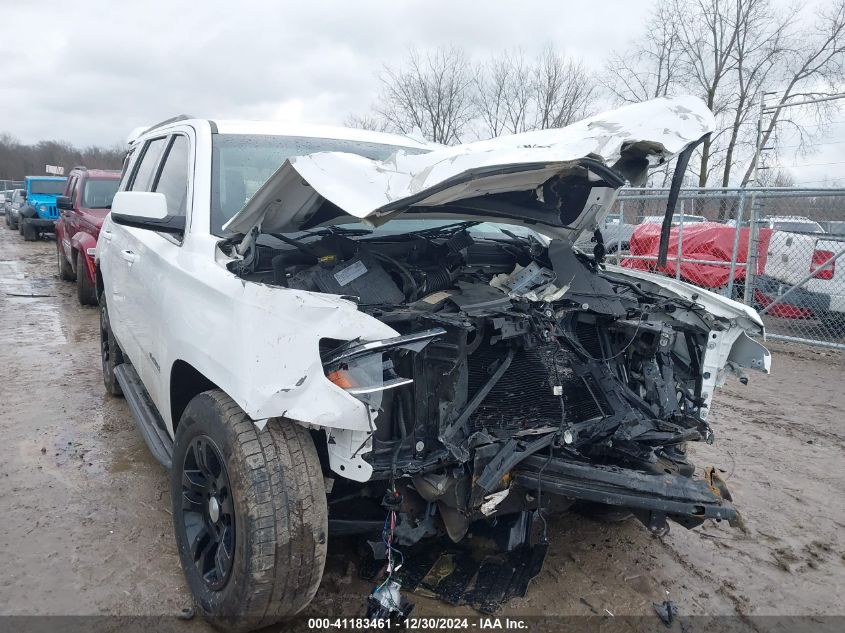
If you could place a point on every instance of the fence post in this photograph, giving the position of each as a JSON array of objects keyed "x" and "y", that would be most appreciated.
[
  {"x": 739, "y": 211},
  {"x": 751, "y": 258},
  {"x": 680, "y": 241}
]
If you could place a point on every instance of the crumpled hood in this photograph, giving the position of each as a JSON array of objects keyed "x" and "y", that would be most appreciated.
[{"x": 630, "y": 140}]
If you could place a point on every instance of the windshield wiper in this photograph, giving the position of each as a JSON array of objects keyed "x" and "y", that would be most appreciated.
[
  {"x": 336, "y": 230},
  {"x": 434, "y": 231}
]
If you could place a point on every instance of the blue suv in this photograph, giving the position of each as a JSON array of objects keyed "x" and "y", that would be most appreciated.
[{"x": 39, "y": 214}]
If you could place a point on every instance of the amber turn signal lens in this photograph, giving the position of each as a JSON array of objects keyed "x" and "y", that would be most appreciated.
[{"x": 341, "y": 379}]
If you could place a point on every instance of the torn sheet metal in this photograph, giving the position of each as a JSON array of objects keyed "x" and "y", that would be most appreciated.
[{"x": 631, "y": 138}]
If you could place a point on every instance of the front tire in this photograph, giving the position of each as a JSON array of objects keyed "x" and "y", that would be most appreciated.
[
  {"x": 110, "y": 353},
  {"x": 249, "y": 512},
  {"x": 85, "y": 291},
  {"x": 65, "y": 271},
  {"x": 30, "y": 234}
]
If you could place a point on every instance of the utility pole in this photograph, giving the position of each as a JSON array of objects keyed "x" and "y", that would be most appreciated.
[
  {"x": 753, "y": 231},
  {"x": 753, "y": 237}
]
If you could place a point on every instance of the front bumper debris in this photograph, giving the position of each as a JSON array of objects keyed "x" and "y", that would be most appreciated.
[{"x": 652, "y": 498}]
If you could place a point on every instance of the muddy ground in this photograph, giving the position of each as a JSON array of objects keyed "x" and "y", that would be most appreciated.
[{"x": 86, "y": 524}]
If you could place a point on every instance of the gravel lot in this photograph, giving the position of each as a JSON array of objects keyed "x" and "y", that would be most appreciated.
[{"x": 87, "y": 527}]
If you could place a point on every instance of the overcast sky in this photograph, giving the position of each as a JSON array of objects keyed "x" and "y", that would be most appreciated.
[{"x": 90, "y": 71}]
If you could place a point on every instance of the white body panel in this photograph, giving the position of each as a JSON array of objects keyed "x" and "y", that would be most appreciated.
[{"x": 790, "y": 256}]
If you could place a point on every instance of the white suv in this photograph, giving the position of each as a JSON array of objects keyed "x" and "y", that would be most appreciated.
[{"x": 323, "y": 330}]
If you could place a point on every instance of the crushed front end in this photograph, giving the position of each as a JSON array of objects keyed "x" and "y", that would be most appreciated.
[{"x": 523, "y": 373}]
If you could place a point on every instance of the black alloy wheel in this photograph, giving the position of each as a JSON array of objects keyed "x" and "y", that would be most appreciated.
[{"x": 208, "y": 514}]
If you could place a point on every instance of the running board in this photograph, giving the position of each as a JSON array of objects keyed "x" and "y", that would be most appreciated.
[
  {"x": 684, "y": 500},
  {"x": 147, "y": 418}
]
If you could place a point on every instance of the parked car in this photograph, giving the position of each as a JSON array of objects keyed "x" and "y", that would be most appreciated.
[
  {"x": 13, "y": 208},
  {"x": 83, "y": 206},
  {"x": 314, "y": 337},
  {"x": 39, "y": 213},
  {"x": 616, "y": 234},
  {"x": 790, "y": 257},
  {"x": 834, "y": 227},
  {"x": 5, "y": 201}
]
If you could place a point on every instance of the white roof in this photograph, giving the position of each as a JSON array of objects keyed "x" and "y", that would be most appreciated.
[{"x": 295, "y": 128}]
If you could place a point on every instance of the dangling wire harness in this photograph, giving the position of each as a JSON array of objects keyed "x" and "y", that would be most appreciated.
[{"x": 385, "y": 602}]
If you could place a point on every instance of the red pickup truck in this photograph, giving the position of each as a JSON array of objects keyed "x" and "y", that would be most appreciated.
[{"x": 83, "y": 206}]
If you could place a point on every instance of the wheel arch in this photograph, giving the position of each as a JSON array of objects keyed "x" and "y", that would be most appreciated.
[
  {"x": 186, "y": 382},
  {"x": 80, "y": 242},
  {"x": 98, "y": 283}
]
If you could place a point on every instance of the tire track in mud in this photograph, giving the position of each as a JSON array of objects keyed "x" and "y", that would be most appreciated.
[{"x": 776, "y": 421}]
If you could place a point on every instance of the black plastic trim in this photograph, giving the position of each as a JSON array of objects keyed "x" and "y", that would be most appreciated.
[
  {"x": 147, "y": 418},
  {"x": 169, "y": 224}
]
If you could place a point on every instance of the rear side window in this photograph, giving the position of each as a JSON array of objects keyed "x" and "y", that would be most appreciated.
[
  {"x": 145, "y": 171},
  {"x": 173, "y": 179}
]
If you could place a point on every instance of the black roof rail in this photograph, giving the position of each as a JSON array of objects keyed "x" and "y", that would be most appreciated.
[{"x": 179, "y": 117}]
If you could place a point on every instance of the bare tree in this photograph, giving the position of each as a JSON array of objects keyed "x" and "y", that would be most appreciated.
[
  {"x": 651, "y": 68},
  {"x": 431, "y": 92},
  {"x": 18, "y": 160},
  {"x": 367, "y": 121},
  {"x": 776, "y": 178},
  {"x": 518, "y": 96},
  {"x": 563, "y": 90},
  {"x": 503, "y": 94},
  {"x": 760, "y": 43},
  {"x": 491, "y": 79},
  {"x": 708, "y": 31},
  {"x": 812, "y": 61}
]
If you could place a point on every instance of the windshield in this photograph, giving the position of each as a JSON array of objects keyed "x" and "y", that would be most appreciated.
[
  {"x": 241, "y": 163},
  {"x": 51, "y": 187},
  {"x": 98, "y": 194},
  {"x": 797, "y": 227},
  {"x": 428, "y": 227}
]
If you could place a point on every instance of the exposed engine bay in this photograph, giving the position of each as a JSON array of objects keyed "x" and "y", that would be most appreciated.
[{"x": 521, "y": 364}]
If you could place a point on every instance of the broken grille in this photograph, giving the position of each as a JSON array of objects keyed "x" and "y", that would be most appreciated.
[{"x": 523, "y": 397}]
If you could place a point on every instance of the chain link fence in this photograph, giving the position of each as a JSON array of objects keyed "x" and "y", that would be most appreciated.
[
  {"x": 6, "y": 185},
  {"x": 779, "y": 250}
]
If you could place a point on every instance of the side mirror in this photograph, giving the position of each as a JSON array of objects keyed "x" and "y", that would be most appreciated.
[
  {"x": 23, "y": 195},
  {"x": 145, "y": 210},
  {"x": 64, "y": 202}
]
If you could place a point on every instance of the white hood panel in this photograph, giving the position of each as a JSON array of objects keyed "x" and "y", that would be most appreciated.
[{"x": 366, "y": 188}]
